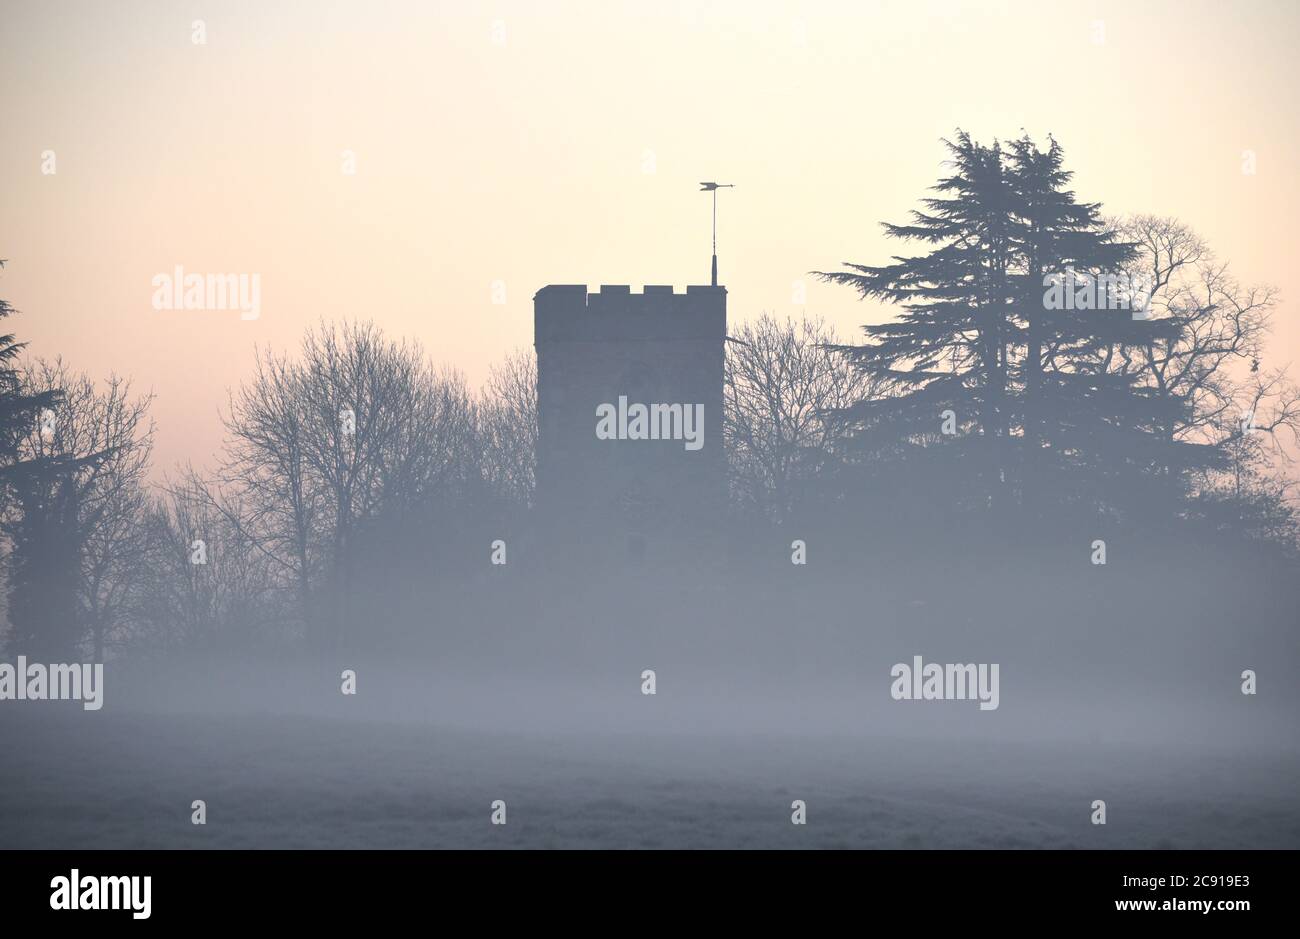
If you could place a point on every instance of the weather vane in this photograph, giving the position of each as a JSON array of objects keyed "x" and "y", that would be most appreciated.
[{"x": 713, "y": 188}]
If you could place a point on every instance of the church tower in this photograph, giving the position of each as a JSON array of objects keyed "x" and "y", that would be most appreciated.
[{"x": 630, "y": 459}]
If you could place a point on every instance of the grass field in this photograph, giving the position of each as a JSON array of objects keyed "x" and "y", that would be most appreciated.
[{"x": 127, "y": 780}]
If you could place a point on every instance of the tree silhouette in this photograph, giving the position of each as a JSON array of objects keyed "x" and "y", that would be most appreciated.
[
  {"x": 1091, "y": 432},
  {"x": 19, "y": 411},
  {"x": 1011, "y": 326},
  {"x": 947, "y": 351},
  {"x": 39, "y": 515},
  {"x": 783, "y": 387}
]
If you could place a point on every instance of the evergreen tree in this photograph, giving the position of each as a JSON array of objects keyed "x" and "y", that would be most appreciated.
[
  {"x": 1092, "y": 434},
  {"x": 948, "y": 349},
  {"x": 1013, "y": 322},
  {"x": 45, "y": 567},
  {"x": 18, "y": 411},
  {"x": 39, "y": 516}
]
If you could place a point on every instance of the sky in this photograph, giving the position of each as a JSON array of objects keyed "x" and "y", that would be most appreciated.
[{"x": 430, "y": 166}]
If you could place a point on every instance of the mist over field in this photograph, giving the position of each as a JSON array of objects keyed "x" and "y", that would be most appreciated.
[{"x": 766, "y": 693}]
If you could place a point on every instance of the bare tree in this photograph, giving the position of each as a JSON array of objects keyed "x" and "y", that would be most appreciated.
[
  {"x": 1214, "y": 361},
  {"x": 508, "y": 427},
  {"x": 1223, "y": 324},
  {"x": 355, "y": 427},
  {"x": 266, "y": 466},
  {"x": 784, "y": 385},
  {"x": 206, "y": 582}
]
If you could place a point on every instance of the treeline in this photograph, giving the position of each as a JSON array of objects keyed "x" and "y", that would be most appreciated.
[
  {"x": 344, "y": 465},
  {"x": 360, "y": 485}
]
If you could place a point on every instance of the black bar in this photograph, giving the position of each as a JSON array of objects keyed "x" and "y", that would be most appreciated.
[{"x": 211, "y": 888}]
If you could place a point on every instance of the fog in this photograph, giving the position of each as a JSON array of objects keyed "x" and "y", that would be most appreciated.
[{"x": 766, "y": 691}]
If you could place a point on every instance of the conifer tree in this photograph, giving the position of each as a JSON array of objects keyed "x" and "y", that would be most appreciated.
[
  {"x": 948, "y": 349},
  {"x": 1091, "y": 433},
  {"x": 1010, "y": 327},
  {"x": 18, "y": 410},
  {"x": 39, "y": 515}
]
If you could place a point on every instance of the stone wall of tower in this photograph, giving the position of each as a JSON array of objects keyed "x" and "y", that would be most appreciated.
[{"x": 657, "y": 346}]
